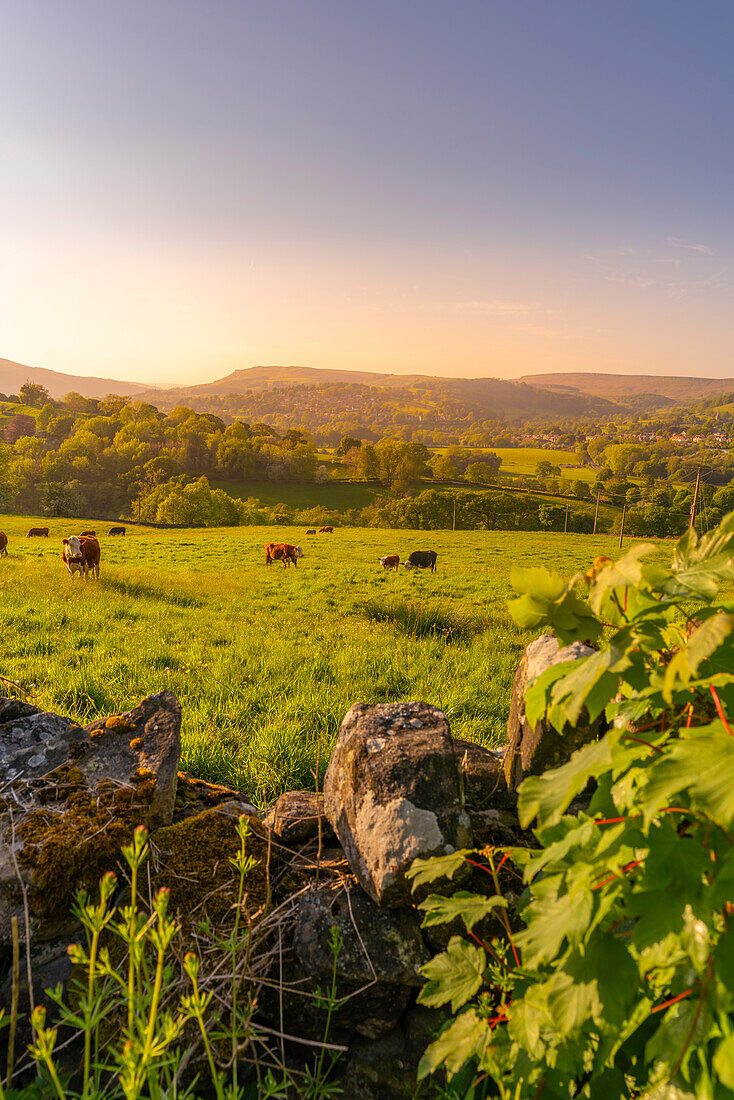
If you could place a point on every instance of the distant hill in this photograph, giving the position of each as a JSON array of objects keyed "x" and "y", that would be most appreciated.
[
  {"x": 269, "y": 377},
  {"x": 618, "y": 387},
  {"x": 510, "y": 397},
  {"x": 13, "y": 375}
]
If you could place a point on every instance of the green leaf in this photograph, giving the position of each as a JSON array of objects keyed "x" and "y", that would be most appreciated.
[
  {"x": 547, "y": 796},
  {"x": 423, "y": 871},
  {"x": 699, "y": 566},
  {"x": 591, "y": 685},
  {"x": 703, "y": 642},
  {"x": 550, "y": 921},
  {"x": 723, "y": 1061},
  {"x": 470, "y": 907},
  {"x": 724, "y": 959},
  {"x": 549, "y": 600},
  {"x": 700, "y": 767},
  {"x": 467, "y": 1037},
  {"x": 455, "y": 975},
  {"x": 624, "y": 573}
]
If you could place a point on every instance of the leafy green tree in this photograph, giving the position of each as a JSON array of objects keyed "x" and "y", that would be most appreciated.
[
  {"x": 368, "y": 465},
  {"x": 444, "y": 468},
  {"x": 34, "y": 395},
  {"x": 347, "y": 443},
  {"x": 481, "y": 472}
]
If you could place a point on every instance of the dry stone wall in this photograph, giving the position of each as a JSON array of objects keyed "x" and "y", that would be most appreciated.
[{"x": 398, "y": 786}]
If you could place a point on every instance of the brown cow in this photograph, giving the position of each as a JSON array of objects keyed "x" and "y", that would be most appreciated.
[
  {"x": 81, "y": 556},
  {"x": 88, "y": 535},
  {"x": 282, "y": 551},
  {"x": 91, "y": 554},
  {"x": 311, "y": 532},
  {"x": 40, "y": 532},
  {"x": 116, "y": 531},
  {"x": 326, "y": 530},
  {"x": 390, "y": 561},
  {"x": 3, "y": 544}
]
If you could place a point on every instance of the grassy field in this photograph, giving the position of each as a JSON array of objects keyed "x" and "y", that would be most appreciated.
[{"x": 266, "y": 661}]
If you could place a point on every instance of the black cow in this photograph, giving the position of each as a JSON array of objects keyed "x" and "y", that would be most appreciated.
[{"x": 422, "y": 559}]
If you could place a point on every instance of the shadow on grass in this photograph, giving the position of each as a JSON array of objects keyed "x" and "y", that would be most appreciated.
[
  {"x": 421, "y": 620},
  {"x": 146, "y": 591}
]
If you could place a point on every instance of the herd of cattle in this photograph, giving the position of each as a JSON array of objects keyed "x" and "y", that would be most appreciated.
[
  {"x": 289, "y": 554},
  {"x": 81, "y": 553}
]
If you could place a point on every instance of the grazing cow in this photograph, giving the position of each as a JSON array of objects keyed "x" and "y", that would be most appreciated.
[
  {"x": 91, "y": 555},
  {"x": 81, "y": 555},
  {"x": 311, "y": 532},
  {"x": 326, "y": 530},
  {"x": 88, "y": 535},
  {"x": 422, "y": 559},
  {"x": 116, "y": 531},
  {"x": 391, "y": 561},
  {"x": 37, "y": 532},
  {"x": 282, "y": 551},
  {"x": 3, "y": 544},
  {"x": 71, "y": 555}
]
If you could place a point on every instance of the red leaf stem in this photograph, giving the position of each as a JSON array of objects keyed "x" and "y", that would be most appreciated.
[
  {"x": 642, "y": 741},
  {"x": 672, "y": 1000},
  {"x": 720, "y": 709}
]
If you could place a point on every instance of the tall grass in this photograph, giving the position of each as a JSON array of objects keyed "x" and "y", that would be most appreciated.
[{"x": 422, "y": 620}]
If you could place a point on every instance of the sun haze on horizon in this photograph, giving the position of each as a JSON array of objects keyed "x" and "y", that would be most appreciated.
[{"x": 476, "y": 189}]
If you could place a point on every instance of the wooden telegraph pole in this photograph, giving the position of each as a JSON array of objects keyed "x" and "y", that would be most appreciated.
[
  {"x": 596, "y": 513},
  {"x": 621, "y": 530},
  {"x": 692, "y": 518},
  {"x": 565, "y": 525},
  {"x": 454, "y": 527}
]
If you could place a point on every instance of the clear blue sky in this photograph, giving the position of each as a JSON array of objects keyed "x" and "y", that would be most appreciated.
[{"x": 476, "y": 187}]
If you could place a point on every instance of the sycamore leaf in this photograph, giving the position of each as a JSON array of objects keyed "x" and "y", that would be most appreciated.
[
  {"x": 453, "y": 976},
  {"x": 538, "y": 692},
  {"x": 627, "y": 572},
  {"x": 547, "y": 796},
  {"x": 703, "y": 642},
  {"x": 423, "y": 871},
  {"x": 700, "y": 565},
  {"x": 724, "y": 958},
  {"x": 591, "y": 685},
  {"x": 723, "y": 1061},
  {"x": 467, "y": 1037},
  {"x": 548, "y": 600},
  {"x": 470, "y": 907},
  {"x": 700, "y": 769},
  {"x": 550, "y": 921}
]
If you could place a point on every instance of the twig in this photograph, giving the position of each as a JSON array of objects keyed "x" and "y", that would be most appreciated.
[{"x": 26, "y": 917}]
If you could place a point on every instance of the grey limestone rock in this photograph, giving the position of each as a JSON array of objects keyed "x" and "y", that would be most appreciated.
[
  {"x": 393, "y": 792},
  {"x": 533, "y": 750}
]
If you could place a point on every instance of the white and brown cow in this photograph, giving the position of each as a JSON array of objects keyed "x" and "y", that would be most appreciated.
[
  {"x": 390, "y": 561},
  {"x": 81, "y": 555}
]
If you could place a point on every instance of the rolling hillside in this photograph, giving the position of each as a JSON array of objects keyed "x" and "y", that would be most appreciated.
[
  {"x": 671, "y": 389},
  {"x": 13, "y": 375}
]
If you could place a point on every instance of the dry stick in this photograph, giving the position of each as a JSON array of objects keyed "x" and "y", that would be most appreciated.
[
  {"x": 26, "y": 919},
  {"x": 318, "y": 819},
  {"x": 359, "y": 937},
  {"x": 13, "y": 1001},
  {"x": 280, "y": 992}
]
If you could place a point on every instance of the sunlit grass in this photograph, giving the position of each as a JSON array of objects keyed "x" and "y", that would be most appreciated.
[{"x": 264, "y": 661}]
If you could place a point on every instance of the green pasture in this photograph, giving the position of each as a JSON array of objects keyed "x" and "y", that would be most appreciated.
[{"x": 267, "y": 660}]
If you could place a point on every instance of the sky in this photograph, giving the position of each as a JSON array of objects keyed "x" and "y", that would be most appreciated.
[{"x": 458, "y": 188}]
